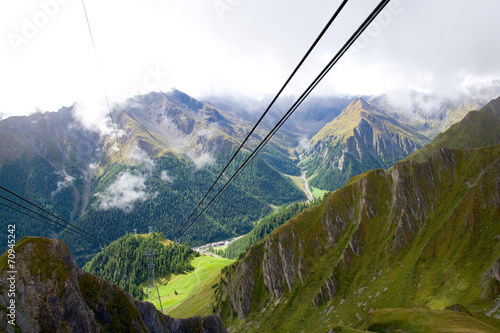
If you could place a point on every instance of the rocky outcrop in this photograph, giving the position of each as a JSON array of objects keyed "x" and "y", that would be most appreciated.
[
  {"x": 240, "y": 289},
  {"x": 52, "y": 294},
  {"x": 326, "y": 293}
]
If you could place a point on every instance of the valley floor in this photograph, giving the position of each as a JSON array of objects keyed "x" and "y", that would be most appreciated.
[{"x": 186, "y": 295}]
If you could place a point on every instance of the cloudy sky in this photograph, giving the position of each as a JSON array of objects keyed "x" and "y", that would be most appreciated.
[{"x": 249, "y": 47}]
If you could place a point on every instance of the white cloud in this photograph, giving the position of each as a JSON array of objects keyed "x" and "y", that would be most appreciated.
[
  {"x": 93, "y": 115},
  {"x": 427, "y": 45},
  {"x": 66, "y": 182},
  {"x": 139, "y": 156},
  {"x": 304, "y": 143},
  {"x": 124, "y": 192},
  {"x": 200, "y": 160},
  {"x": 208, "y": 132},
  {"x": 166, "y": 178}
]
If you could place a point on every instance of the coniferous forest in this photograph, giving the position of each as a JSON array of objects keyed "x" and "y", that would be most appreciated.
[{"x": 123, "y": 261}]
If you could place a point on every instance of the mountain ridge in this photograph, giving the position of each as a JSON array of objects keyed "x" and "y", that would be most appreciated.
[
  {"x": 421, "y": 233},
  {"x": 105, "y": 179},
  {"x": 359, "y": 139},
  {"x": 377, "y": 251}
]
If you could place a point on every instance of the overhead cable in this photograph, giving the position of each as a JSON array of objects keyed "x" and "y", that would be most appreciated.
[
  {"x": 299, "y": 101},
  {"x": 325, "y": 29}
]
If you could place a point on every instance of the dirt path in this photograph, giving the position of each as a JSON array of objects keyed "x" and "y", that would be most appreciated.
[{"x": 199, "y": 281}]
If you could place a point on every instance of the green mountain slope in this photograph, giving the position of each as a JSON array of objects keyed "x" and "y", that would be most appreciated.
[
  {"x": 361, "y": 138},
  {"x": 424, "y": 233},
  {"x": 191, "y": 294},
  {"x": 265, "y": 226},
  {"x": 477, "y": 129},
  {"x": 427, "y": 320}
]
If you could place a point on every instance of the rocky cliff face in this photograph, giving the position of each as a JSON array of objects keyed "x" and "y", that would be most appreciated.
[
  {"x": 52, "y": 294},
  {"x": 422, "y": 233}
]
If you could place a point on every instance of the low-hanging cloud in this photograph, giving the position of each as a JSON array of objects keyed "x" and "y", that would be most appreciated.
[
  {"x": 200, "y": 160},
  {"x": 125, "y": 192},
  {"x": 165, "y": 177},
  {"x": 139, "y": 156},
  {"x": 66, "y": 182},
  {"x": 93, "y": 115},
  {"x": 304, "y": 144}
]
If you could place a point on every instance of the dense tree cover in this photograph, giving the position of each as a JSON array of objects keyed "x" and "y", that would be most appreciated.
[
  {"x": 173, "y": 187},
  {"x": 279, "y": 160},
  {"x": 34, "y": 178},
  {"x": 331, "y": 178},
  {"x": 266, "y": 226},
  {"x": 123, "y": 261}
]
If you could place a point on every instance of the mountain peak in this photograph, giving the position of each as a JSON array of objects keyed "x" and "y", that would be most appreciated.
[
  {"x": 359, "y": 139},
  {"x": 360, "y": 108},
  {"x": 184, "y": 99}
]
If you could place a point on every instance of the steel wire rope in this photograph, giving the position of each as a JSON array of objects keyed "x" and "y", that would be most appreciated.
[
  {"x": 306, "y": 93},
  {"x": 57, "y": 224},
  {"x": 51, "y": 214},
  {"x": 311, "y": 48}
]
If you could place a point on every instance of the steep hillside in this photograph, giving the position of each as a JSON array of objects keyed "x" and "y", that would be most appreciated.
[
  {"x": 265, "y": 226},
  {"x": 150, "y": 170},
  {"x": 478, "y": 129},
  {"x": 455, "y": 318},
  {"x": 361, "y": 138},
  {"x": 54, "y": 295},
  {"x": 430, "y": 114},
  {"x": 423, "y": 233}
]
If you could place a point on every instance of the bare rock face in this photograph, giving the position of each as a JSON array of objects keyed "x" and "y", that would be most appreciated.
[
  {"x": 55, "y": 295},
  {"x": 326, "y": 293},
  {"x": 240, "y": 290}
]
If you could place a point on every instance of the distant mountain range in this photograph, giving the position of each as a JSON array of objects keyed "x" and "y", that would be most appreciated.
[
  {"x": 153, "y": 158},
  {"x": 150, "y": 169},
  {"x": 407, "y": 241}
]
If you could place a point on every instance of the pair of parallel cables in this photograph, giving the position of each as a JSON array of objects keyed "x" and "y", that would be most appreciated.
[
  {"x": 38, "y": 213},
  {"x": 185, "y": 226}
]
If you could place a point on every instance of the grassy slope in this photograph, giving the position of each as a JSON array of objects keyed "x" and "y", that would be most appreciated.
[
  {"x": 317, "y": 193},
  {"x": 356, "y": 117},
  {"x": 182, "y": 305},
  {"x": 299, "y": 182},
  {"x": 441, "y": 266},
  {"x": 427, "y": 320},
  {"x": 477, "y": 129}
]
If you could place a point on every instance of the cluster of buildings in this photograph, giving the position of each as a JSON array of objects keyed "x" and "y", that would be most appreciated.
[{"x": 204, "y": 248}]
